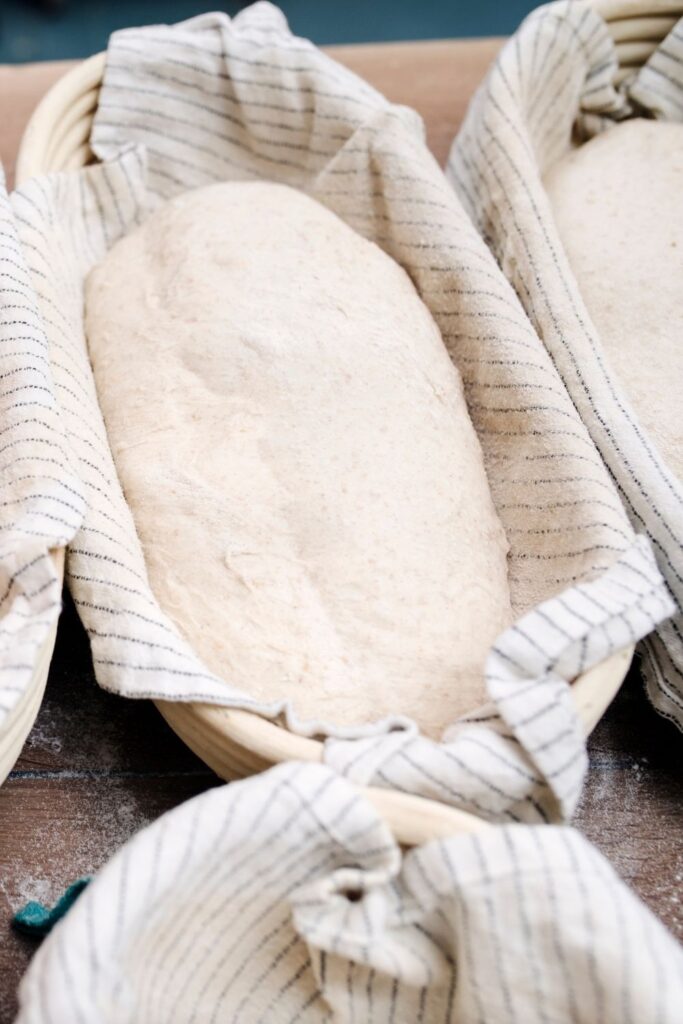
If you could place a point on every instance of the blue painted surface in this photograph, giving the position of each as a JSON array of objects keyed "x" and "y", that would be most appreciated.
[{"x": 30, "y": 30}]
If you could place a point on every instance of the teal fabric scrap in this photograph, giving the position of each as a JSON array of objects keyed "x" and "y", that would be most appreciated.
[{"x": 36, "y": 920}]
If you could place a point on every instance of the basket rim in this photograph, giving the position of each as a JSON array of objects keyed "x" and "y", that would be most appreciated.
[
  {"x": 618, "y": 10},
  {"x": 34, "y": 146}
]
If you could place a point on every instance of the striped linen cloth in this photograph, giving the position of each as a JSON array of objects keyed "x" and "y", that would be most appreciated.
[
  {"x": 555, "y": 78},
  {"x": 41, "y": 501},
  {"x": 285, "y": 900},
  {"x": 214, "y": 99}
]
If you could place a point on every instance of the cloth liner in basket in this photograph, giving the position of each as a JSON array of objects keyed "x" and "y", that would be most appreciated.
[
  {"x": 555, "y": 78},
  {"x": 42, "y": 503},
  {"x": 284, "y": 898},
  {"x": 216, "y": 99}
]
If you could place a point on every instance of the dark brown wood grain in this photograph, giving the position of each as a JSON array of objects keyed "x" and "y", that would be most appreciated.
[
  {"x": 632, "y": 806},
  {"x": 96, "y": 768}
]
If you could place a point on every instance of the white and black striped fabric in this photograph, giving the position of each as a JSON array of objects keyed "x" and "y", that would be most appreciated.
[
  {"x": 285, "y": 900},
  {"x": 553, "y": 81},
  {"x": 41, "y": 502},
  {"x": 218, "y": 99}
]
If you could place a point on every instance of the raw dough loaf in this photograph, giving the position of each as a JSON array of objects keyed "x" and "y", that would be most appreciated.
[
  {"x": 295, "y": 447},
  {"x": 618, "y": 204}
]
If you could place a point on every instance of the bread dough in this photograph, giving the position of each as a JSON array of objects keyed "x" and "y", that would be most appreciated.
[
  {"x": 618, "y": 206},
  {"x": 294, "y": 444}
]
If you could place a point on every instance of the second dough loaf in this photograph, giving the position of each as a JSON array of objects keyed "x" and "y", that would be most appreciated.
[{"x": 617, "y": 204}]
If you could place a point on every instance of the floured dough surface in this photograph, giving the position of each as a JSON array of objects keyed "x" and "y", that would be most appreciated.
[
  {"x": 294, "y": 444},
  {"x": 618, "y": 204}
]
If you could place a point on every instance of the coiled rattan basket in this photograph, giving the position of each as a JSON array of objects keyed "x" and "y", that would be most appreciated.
[
  {"x": 18, "y": 723},
  {"x": 239, "y": 743}
]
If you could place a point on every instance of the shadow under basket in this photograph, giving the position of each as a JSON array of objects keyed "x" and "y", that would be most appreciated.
[{"x": 239, "y": 743}]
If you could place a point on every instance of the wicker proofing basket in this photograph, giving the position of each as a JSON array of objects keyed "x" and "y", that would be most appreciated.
[
  {"x": 239, "y": 743},
  {"x": 18, "y": 723}
]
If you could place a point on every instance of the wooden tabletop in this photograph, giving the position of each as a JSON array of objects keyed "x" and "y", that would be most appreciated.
[{"x": 96, "y": 768}]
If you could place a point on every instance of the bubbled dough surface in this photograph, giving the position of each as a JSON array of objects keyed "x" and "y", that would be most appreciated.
[
  {"x": 618, "y": 204},
  {"x": 294, "y": 444}
]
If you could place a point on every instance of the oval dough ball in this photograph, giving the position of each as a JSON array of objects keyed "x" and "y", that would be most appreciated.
[
  {"x": 294, "y": 444},
  {"x": 618, "y": 206}
]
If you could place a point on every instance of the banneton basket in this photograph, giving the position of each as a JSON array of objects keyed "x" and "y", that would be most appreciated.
[
  {"x": 236, "y": 743},
  {"x": 20, "y": 720}
]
